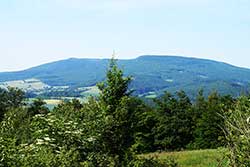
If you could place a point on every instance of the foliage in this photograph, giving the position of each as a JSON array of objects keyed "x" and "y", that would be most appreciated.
[
  {"x": 117, "y": 133},
  {"x": 8, "y": 152},
  {"x": 16, "y": 124},
  {"x": 111, "y": 129},
  {"x": 173, "y": 129},
  {"x": 38, "y": 107},
  {"x": 115, "y": 87},
  {"x": 145, "y": 120},
  {"x": 238, "y": 133},
  {"x": 208, "y": 132},
  {"x": 10, "y": 98}
]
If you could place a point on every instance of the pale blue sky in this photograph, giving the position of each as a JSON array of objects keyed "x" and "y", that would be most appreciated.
[{"x": 34, "y": 32}]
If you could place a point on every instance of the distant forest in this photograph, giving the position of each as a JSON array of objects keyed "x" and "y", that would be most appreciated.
[{"x": 114, "y": 128}]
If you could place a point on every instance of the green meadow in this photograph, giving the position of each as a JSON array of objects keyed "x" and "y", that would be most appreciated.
[{"x": 196, "y": 158}]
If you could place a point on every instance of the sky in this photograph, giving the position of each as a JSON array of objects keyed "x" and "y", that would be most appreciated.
[{"x": 33, "y": 32}]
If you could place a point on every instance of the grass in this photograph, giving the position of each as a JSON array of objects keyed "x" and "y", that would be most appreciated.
[
  {"x": 27, "y": 84},
  {"x": 197, "y": 158},
  {"x": 52, "y": 101},
  {"x": 90, "y": 91}
]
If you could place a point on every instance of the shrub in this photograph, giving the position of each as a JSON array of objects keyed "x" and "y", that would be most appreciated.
[{"x": 238, "y": 133}]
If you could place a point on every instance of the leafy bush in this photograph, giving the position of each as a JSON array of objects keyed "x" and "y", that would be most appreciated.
[{"x": 238, "y": 133}]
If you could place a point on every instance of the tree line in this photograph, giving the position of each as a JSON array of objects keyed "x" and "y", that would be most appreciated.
[{"x": 113, "y": 128}]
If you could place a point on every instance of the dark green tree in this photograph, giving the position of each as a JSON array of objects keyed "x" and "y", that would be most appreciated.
[
  {"x": 38, "y": 107},
  {"x": 10, "y": 98},
  {"x": 117, "y": 135},
  {"x": 174, "y": 127},
  {"x": 115, "y": 88},
  {"x": 144, "y": 122},
  {"x": 209, "y": 128}
]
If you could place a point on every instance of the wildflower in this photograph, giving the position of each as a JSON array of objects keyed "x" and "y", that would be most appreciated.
[
  {"x": 47, "y": 138},
  {"x": 248, "y": 120},
  {"x": 39, "y": 142}
]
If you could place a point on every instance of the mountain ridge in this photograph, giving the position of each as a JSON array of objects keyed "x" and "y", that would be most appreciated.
[
  {"x": 139, "y": 57},
  {"x": 151, "y": 73}
]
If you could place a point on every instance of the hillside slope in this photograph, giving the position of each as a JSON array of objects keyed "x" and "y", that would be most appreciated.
[{"x": 151, "y": 74}]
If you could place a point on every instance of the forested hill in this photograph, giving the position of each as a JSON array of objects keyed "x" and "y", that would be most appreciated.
[{"x": 151, "y": 74}]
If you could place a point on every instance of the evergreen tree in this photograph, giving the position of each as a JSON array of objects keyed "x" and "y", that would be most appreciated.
[
  {"x": 209, "y": 132},
  {"x": 10, "y": 98},
  {"x": 115, "y": 88},
  {"x": 117, "y": 135},
  {"x": 174, "y": 127}
]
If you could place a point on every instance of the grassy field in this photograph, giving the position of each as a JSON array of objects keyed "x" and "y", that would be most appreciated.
[
  {"x": 90, "y": 91},
  {"x": 197, "y": 158}
]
